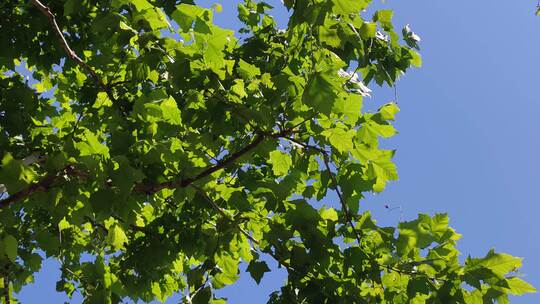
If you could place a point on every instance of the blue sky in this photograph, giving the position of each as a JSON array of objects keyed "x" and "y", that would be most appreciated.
[{"x": 469, "y": 134}]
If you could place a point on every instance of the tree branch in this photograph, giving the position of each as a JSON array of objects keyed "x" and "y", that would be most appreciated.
[
  {"x": 259, "y": 138},
  {"x": 326, "y": 160},
  {"x": 278, "y": 259},
  {"x": 346, "y": 211},
  {"x": 43, "y": 185},
  {"x": 69, "y": 51},
  {"x": 49, "y": 180}
]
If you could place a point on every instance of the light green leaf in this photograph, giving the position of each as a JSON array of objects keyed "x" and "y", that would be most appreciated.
[
  {"x": 63, "y": 224},
  {"x": 350, "y": 106},
  {"x": 416, "y": 59},
  {"x": 156, "y": 291},
  {"x": 214, "y": 46},
  {"x": 139, "y": 5},
  {"x": 382, "y": 169},
  {"x": 238, "y": 88},
  {"x": 155, "y": 18},
  {"x": 247, "y": 71},
  {"x": 340, "y": 139},
  {"x": 370, "y": 130},
  {"x": 349, "y": 6},
  {"x": 116, "y": 237},
  {"x": 102, "y": 100},
  {"x": 500, "y": 263},
  {"x": 229, "y": 269},
  {"x": 281, "y": 162},
  {"x": 518, "y": 287},
  {"x": 385, "y": 18},
  {"x": 389, "y": 111},
  {"x": 329, "y": 214},
  {"x": 368, "y": 30},
  {"x": 170, "y": 111},
  {"x": 217, "y": 7},
  {"x": 91, "y": 146},
  {"x": 185, "y": 15}
]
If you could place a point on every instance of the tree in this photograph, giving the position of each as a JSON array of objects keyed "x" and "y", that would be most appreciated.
[{"x": 152, "y": 151}]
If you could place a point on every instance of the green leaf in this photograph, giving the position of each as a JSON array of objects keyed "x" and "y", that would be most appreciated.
[
  {"x": 156, "y": 20},
  {"x": 500, "y": 263},
  {"x": 186, "y": 14},
  {"x": 329, "y": 214},
  {"x": 10, "y": 245},
  {"x": 170, "y": 111},
  {"x": 34, "y": 262},
  {"x": 139, "y": 71},
  {"x": 217, "y": 7},
  {"x": 368, "y": 30},
  {"x": 247, "y": 71},
  {"x": 370, "y": 131},
  {"x": 340, "y": 139},
  {"x": 385, "y": 18},
  {"x": 14, "y": 174},
  {"x": 70, "y": 7},
  {"x": 229, "y": 270},
  {"x": 124, "y": 176},
  {"x": 238, "y": 88},
  {"x": 519, "y": 287},
  {"x": 213, "y": 49},
  {"x": 349, "y": 6},
  {"x": 281, "y": 162},
  {"x": 63, "y": 224},
  {"x": 350, "y": 106},
  {"x": 139, "y": 5},
  {"x": 257, "y": 270},
  {"x": 389, "y": 111},
  {"x": 116, "y": 237},
  {"x": 320, "y": 91},
  {"x": 204, "y": 296},
  {"x": 91, "y": 146},
  {"x": 156, "y": 291},
  {"x": 102, "y": 100},
  {"x": 416, "y": 59}
]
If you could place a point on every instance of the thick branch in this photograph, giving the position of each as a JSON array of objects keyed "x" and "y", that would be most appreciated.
[
  {"x": 150, "y": 189},
  {"x": 69, "y": 51},
  {"x": 43, "y": 185},
  {"x": 49, "y": 180}
]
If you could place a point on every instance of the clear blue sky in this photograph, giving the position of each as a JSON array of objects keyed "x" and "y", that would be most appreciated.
[{"x": 469, "y": 134}]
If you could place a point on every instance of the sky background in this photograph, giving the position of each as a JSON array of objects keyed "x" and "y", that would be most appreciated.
[{"x": 469, "y": 134}]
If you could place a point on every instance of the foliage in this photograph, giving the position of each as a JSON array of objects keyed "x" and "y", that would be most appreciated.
[{"x": 156, "y": 151}]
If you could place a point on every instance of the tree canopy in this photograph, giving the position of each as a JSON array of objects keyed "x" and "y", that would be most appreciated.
[{"x": 151, "y": 152}]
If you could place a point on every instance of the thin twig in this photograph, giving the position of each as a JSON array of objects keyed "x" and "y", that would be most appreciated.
[
  {"x": 69, "y": 51},
  {"x": 326, "y": 160},
  {"x": 215, "y": 206},
  {"x": 347, "y": 211}
]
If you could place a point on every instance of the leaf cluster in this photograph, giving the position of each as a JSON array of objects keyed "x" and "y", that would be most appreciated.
[{"x": 151, "y": 152}]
